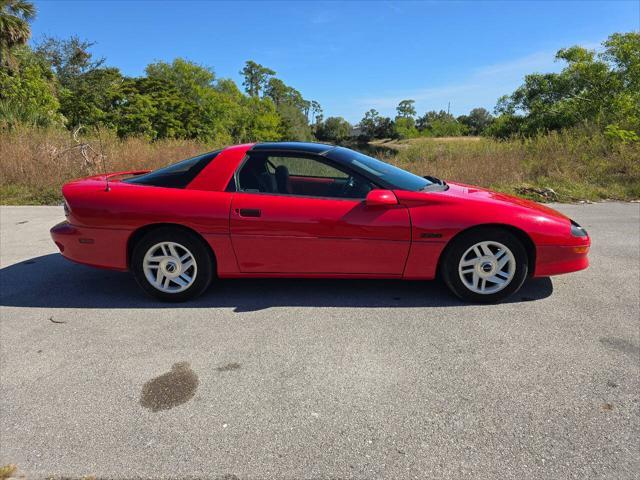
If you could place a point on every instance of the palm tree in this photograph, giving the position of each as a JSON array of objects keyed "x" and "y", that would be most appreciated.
[{"x": 15, "y": 16}]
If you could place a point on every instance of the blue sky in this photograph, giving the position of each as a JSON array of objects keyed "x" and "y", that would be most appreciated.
[{"x": 350, "y": 56}]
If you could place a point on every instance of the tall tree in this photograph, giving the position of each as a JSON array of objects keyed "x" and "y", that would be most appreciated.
[
  {"x": 295, "y": 125},
  {"x": 432, "y": 116},
  {"x": 406, "y": 109},
  {"x": 188, "y": 77},
  {"x": 92, "y": 98},
  {"x": 597, "y": 88},
  {"x": 15, "y": 30},
  {"x": 256, "y": 77},
  {"x": 369, "y": 123},
  {"x": 374, "y": 126},
  {"x": 69, "y": 58},
  {"x": 440, "y": 124},
  {"x": 28, "y": 93},
  {"x": 334, "y": 130},
  {"x": 276, "y": 90},
  {"x": 405, "y": 124},
  {"x": 316, "y": 112},
  {"x": 477, "y": 120}
]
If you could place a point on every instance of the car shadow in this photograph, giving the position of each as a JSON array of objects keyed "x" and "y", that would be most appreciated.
[{"x": 52, "y": 281}]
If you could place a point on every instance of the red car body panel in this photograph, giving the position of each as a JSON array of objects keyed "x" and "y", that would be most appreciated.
[
  {"x": 303, "y": 236},
  {"x": 318, "y": 235}
]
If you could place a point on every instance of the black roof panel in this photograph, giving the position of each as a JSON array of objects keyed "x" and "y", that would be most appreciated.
[{"x": 307, "y": 147}]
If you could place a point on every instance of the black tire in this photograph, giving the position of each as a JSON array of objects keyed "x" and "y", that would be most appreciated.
[
  {"x": 453, "y": 256},
  {"x": 204, "y": 263}
]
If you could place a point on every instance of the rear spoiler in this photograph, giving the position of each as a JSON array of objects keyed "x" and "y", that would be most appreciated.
[
  {"x": 121, "y": 174},
  {"x": 126, "y": 172}
]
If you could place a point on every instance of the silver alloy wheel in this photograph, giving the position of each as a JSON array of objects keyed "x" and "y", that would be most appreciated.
[
  {"x": 170, "y": 267},
  {"x": 487, "y": 267}
]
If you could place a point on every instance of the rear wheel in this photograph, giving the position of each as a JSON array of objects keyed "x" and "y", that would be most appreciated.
[
  {"x": 172, "y": 265},
  {"x": 485, "y": 265}
]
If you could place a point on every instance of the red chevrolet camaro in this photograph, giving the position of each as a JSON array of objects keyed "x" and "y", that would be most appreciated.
[{"x": 310, "y": 210}]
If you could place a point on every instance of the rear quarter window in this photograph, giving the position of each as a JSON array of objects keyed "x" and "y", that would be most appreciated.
[{"x": 177, "y": 175}]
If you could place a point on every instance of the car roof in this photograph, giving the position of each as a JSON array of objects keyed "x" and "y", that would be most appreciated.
[{"x": 307, "y": 147}]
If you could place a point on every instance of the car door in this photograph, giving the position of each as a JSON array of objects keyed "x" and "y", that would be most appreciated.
[{"x": 312, "y": 220}]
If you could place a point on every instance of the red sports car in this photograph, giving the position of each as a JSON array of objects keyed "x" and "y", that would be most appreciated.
[{"x": 310, "y": 210}]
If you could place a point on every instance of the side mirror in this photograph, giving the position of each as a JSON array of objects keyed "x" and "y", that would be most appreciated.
[{"x": 381, "y": 197}]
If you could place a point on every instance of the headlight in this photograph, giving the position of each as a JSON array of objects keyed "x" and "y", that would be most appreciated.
[{"x": 577, "y": 230}]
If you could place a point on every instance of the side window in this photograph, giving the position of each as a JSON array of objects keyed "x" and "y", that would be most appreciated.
[
  {"x": 305, "y": 167},
  {"x": 299, "y": 175}
]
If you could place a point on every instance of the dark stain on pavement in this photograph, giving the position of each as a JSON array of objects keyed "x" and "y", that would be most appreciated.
[
  {"x": 620, "y": 344},
  {"x": 170, "y": 389},
  {"x": 229, "y": 367},
  {"x": 607, "y": 406}
]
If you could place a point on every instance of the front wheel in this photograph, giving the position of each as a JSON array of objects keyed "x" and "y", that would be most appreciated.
[
  {"x": 485, "y": 265},
  {"x": 172, "y": 265}
]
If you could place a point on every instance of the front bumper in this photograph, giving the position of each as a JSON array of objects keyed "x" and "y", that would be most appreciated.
[
  {"x": 555, "y": 260},
  {"x": 97, "y": 247}
]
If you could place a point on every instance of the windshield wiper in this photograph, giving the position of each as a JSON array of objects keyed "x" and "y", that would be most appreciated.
[
  {"x": 434, "y": 179},
  {"x": 436, "y": 184}
]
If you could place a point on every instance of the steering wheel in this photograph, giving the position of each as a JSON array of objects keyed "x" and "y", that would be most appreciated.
[{"x": 348, "y": 185}]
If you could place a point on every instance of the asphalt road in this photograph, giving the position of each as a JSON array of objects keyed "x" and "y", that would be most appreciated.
[{"x": 319, "y": 379}]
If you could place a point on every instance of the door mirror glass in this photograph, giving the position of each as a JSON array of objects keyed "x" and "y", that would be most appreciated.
[{"x": 381, "y": 197}]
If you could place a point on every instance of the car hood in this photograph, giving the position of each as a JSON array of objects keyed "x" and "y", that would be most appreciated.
[
  {"x": 470, "y": 191},
  {"x": 465, "y": 193}
]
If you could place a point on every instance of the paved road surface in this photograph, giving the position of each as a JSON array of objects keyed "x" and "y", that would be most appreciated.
[{"x": 319, "y": 379}]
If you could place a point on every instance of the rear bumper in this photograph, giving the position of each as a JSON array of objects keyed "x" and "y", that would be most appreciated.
[
  {"x": 555, "y": 260},
  {"x": 97, "y": 247}
]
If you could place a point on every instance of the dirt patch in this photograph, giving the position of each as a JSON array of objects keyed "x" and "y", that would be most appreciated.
[{"x": 170, "y": 389}]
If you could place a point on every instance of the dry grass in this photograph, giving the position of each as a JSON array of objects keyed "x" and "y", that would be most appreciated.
[
  {"x": 410, "y": 142},
  {"x": 34, "y": 164},
  {"x": 577, "y": 165},
  {"x": 7, "y": 471}
]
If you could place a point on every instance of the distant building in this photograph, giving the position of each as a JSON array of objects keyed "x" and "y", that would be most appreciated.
[{"x": 356, "y": 131}]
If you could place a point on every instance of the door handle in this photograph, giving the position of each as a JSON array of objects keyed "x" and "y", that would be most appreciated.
[{"x": 249, "y": 212}]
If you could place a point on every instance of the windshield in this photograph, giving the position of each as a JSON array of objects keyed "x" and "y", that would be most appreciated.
[{"x": 388, "y": 175}]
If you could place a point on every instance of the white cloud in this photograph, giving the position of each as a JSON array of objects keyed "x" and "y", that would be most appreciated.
[
  {"x": 481, "y": 88},
  {"x": 536, "y": 62},
  {"x": 422, "y": 95}
]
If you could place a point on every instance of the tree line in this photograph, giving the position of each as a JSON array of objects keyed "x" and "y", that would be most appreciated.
[
  {"x": 600, "y": 90},
  {"x": 58, "y": 82}
]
